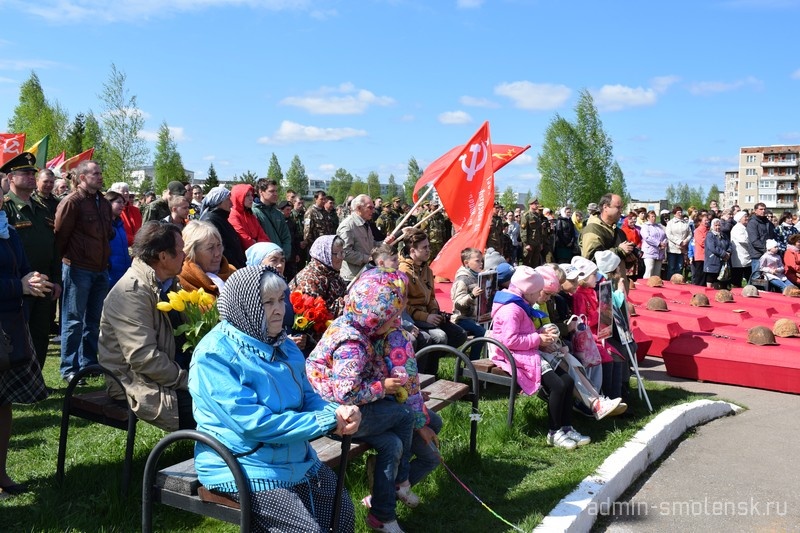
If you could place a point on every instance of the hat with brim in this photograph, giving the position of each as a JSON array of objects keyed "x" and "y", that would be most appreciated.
[{"x": 23, "y": 161}]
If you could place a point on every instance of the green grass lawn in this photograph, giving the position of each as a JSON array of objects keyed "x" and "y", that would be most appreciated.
[{"x": 514, "y": 472}]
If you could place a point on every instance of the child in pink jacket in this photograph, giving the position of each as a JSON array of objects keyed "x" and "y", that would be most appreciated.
[{"x": 512, "y": 316}]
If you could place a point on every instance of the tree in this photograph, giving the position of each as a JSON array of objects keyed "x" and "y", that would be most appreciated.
[
  {"x": 211, "y": 180},
  {"x": 617, "y": 184},
  {"x": 561, "y": 182},
  {"x": 36, "y": 116},
  {"x": 296, "y": 178},
  {"x": 274, "y": 172},
  {"x": 414, "y": 173},
  {"x": 358, "y": 186},
  {"x": 508, "y": 199},
  {"x": 597, "y": 153},
  {"x": 122, "y": 149},
  {"x": 713, "y": 195},
  {"x": 373, "y": 184},
  {"x": 167, "y": 165},
  {"x": 75, "y": 133},
  {"x": 391, "y": 189}
]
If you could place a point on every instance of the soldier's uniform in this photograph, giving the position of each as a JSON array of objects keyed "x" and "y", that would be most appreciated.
[
  {"x": 386, "y": 221},
  {"x": 317, "y": 223},
  {"x": 548, "y": 239},
  {"x": 333, "y": 219},
  {"x": 51, "y": 202},
  {"x": 495, "y": 238},
  {"x": 436, "y": 229},
  {"x": 35, "y": 225},
  {"x": 531, "y": 234}
]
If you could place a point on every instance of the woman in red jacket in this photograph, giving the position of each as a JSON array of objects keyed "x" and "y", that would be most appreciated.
[{"x": 242, "y": 218}]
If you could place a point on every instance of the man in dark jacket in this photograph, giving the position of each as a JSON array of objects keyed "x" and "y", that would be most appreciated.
[{"x": 759, "y": 229}]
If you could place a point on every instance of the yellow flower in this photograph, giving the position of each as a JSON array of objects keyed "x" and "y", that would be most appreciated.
[
  {"x": 206, "y": 299},
  {"x": 184, "y": 295},
  {"x": 164, "y": 306},
  {"x": 300, "y": 322},
  {"x": 195, "y": 296},
  {"x": 176, "y": 302}
]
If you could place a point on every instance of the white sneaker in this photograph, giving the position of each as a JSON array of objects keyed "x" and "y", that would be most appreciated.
[
  {"x": 603, "y": 406},
  {"x": 376, "y": 525},
  {"x": 621, "y": 408},
  {"x": 580, "y": 440},
  {"x": 405, "y": 495},
  {"x": 561, "y": 440}
]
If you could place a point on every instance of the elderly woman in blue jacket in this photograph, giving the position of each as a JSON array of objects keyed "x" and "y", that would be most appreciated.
[{"x": 249, "y": 388}]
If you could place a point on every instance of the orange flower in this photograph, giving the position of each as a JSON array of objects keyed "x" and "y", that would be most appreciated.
[{"x": 296, "y": 298}]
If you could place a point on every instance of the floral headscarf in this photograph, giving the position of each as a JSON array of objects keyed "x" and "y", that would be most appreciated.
[
  {"x": 376, "y": 297},
  {"x": 239, "y": 303},
  {"x": 322, "y": 250}
]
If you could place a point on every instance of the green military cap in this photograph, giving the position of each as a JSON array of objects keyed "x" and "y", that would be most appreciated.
[
  {"x": 23, "y": 161},
  {"x": 396, "y": 199}
]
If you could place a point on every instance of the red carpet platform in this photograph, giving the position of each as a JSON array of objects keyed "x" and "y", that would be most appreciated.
[
  {"x": 720, "y": 354},
  {"x": 710, "y": 343}
]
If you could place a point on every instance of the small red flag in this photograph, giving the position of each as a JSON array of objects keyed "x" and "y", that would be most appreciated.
[
  {"x": 12, "y": 144},
  {"x": 73, "y": 161},
  {"x": 56, "y": 161}
]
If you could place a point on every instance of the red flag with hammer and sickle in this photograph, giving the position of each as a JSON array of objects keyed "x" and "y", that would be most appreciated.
[
  {"x": 466, "y": 190},
  {"x": 11, "y": 145}
]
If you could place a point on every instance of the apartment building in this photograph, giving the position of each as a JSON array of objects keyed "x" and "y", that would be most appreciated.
[{"x": 766, "y": 174}]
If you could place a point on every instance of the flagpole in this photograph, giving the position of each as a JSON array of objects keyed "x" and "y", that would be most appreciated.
[
  {"x": 410, "y": 211},
  {"x": 429, "y": 215}
]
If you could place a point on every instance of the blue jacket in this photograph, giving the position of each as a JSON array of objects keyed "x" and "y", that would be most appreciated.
[
  {"x": 120, "y": 259},
  {"x": 252, "y": 396},
  {"x": 716, "y": 248}
]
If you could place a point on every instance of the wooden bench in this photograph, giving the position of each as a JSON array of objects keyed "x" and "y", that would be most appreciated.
[
  {"x": 178, "y": 485},
  {"x": 99, "y": 407}
]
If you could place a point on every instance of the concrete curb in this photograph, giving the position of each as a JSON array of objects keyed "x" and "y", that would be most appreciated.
[{"x": 578, "y": 510}]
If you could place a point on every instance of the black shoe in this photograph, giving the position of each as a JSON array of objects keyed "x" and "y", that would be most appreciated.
[
  {"x": 582, "y": 409},
  {"x": 69, "y": 377}
]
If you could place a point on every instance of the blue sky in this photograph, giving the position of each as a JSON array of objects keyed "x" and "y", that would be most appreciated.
[{"x": 366, "y": 84}]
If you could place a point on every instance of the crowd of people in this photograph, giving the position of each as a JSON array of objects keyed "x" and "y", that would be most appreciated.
[{"x": 102, "y": 265}]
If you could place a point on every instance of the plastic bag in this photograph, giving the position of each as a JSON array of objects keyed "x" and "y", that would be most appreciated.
[
  {"x": 583, "y": 344},
  {"x": 724, "y": 272}
]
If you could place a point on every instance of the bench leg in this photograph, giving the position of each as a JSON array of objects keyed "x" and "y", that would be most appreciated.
[{"x": 128, "y": 466}]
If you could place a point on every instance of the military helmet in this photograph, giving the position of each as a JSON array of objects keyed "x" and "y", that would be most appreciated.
[
  {"x": 785, "y": 327},
  {"x": 657, "y": 304},
  {"x": 750, "y": 291},
  {"x": 761, "y": 336},
  {"x": 700, "y": 300},
  {"x": 677, "y": 279},
  {"x": 723, "y": 296},
  {"x": 655, "y": 281}
]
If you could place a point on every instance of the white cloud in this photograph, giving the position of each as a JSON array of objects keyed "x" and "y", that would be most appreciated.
[
  {"x": 534, "y": 96},
  {"x": 209, "y": 157},
  {"x": 711, "y": 87},
  {"x": 26, "y": 64},
  {"x": 617, "y": 97},
  {"x": 327, "y": 167},
  {"x": 662, "y": 83},
  {"x": 289, "y": 132},
  {"x": 796, "y": 74},
  {"x": 469, "y": 4},
  {"x": 7, "y": 80},
  {"x": 176, "y": 132},
  {"x": 342, "y": 100},
  {"x": 478, "y": 102},
  {"x": 129, "y": 112},
  {"x": 455, "y": 117},
  {"x": 71, "y": 11},
  {"x": 522, "y": 159}
]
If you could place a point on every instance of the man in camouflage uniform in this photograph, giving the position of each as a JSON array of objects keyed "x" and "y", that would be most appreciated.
[
  {"x": 45, "y": 182},
  {"x": 35, "y": 225},
  {"x": 495, "y": 238},
  {"x": 317, "y": 221},
  {"x": 386, "y": 220},
  {"x": 531, "y": 235},
  {"x": 436, "y": 229},
  {"x": 330, "y": 210}
]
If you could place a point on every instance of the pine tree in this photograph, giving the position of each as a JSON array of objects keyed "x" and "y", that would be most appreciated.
[
  {"x": 167, "y": 165},
  {"x": 713, "y": 195},
  {"x": 75, "y": 133},
  {"x": 275, "y": 173},
  {"x": 508, "y": 199},
  {"x": 211, "y": 180},
  {"x": 296, "y": 178}
]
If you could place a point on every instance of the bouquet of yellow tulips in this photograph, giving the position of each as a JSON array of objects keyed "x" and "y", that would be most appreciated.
[{"x": 199, "y": 310}]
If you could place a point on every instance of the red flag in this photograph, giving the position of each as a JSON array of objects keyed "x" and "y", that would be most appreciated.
[
  {"x": 56, "y": 161},
  {"x": 73, "y": 161},
  {"x": 502, "y": 154},
  {"x": 12, "y": 144},
  {"x": 466, "y": 190}
]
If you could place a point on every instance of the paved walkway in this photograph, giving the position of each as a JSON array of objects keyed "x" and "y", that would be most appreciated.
[{"x": 738, "y": 473}]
